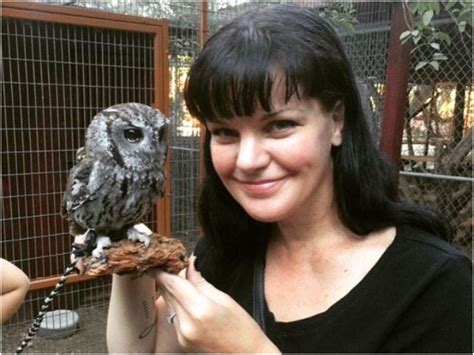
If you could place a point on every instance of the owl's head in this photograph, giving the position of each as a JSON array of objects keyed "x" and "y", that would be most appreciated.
[{"x": 132, "y": 135}]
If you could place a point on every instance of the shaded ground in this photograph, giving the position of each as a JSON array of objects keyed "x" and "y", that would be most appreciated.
[{"x": 89, "y": 338}]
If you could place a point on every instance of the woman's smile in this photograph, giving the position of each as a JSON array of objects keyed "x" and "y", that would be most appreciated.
[{"x": 260, "y": 188}]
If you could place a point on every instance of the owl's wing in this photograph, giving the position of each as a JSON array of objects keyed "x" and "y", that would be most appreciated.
[
  {"x": 78, "y": 189},
  {"x": 80, "y": 154}
]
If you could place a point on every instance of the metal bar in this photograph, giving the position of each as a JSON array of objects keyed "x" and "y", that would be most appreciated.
[
  {"x": 175, "y": 147},
  {"x": 395, "y": 88},
  {"x": 437, "y": 176},
  {"x": 378, "y": 27}
]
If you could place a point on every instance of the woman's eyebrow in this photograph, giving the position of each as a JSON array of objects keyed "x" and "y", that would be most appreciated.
[
  {"x": 217, "y": 121},
  {"x": 274, "y": 113},
  {"x": 278, "y": 112}
]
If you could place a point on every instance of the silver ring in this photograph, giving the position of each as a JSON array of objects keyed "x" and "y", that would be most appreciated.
[{"x": 170, "y": 318}]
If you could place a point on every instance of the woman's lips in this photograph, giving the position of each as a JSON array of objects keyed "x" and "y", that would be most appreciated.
[{"x": 262, "y": 187}]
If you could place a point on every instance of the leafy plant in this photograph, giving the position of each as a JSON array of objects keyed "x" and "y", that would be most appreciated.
[
  {"x": 342, "y": 15},
  {"x": 426, "y": 38}
]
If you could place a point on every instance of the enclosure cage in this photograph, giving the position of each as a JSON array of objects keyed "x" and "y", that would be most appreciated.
[{"x": 64, "y": 62}]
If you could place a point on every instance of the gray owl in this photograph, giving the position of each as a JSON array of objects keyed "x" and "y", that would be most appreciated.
[{"x": 118, "y": 175}]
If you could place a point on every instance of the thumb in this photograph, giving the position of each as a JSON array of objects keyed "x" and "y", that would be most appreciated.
[
  {"x": 207, "y": 289},
  {"x": 196, "y": 278},
  {"x": 193, "y": 275}
]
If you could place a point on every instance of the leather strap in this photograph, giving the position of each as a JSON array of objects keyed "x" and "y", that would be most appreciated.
[{"x": 258, "y": 292}]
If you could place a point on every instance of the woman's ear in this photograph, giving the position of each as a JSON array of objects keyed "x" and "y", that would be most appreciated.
[{"x": 337, "y": 116}]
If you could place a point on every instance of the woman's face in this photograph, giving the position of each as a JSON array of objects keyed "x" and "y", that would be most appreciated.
[{"x": 278, "y": 165}]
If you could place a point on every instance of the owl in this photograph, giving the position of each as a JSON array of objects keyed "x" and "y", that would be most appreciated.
[{"x": 118, "y": 175}]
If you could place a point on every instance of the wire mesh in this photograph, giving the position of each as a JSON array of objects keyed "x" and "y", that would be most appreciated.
[
  {"x": 437, "y": 137},
  {"x": 56, "y": 77}
]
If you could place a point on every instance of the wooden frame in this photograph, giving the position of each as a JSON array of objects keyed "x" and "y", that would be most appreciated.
[
  {"x": 99, "y": 19},
  {"x": 396, "y": 83},
  {"x": 203, "y": 35}
]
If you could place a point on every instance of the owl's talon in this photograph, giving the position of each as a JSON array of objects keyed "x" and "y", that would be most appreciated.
[
  {"x": 140, "y": 233},
  {"x": 103, "y": 242}
]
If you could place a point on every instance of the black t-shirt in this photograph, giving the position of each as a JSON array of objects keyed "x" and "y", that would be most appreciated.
[{"x": 417, "y": 298}]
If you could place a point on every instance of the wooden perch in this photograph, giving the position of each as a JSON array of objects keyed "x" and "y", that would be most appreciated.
[{"x": 126, "y": 257}]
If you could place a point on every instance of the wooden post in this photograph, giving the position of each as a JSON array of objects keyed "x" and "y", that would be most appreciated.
[
  {"x": 203, "y": 26},
  {"x": 396, "y": 85},
  {"x": 203, "y": 34},
  {"x": 161, "y": 101}
]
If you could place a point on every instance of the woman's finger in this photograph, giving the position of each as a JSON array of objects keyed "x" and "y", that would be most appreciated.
[
  {"x": 193, "y": 300},
  {"x": 179, "y": 316},
  {"x": 173, "y": 308}
]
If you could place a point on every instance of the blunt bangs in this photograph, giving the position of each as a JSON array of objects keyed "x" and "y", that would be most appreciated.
[
  {"x": 238, "y": 69},
  {"x": 235, "y": 82}
]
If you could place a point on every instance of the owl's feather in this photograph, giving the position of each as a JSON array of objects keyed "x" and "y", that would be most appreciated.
[{"x": 77, "y": 191}]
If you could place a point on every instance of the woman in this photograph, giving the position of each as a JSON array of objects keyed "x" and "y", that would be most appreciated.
[{"x": 305, "y": 247}]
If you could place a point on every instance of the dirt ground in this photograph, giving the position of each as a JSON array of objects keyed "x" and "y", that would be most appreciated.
[{"x": 89, "y": 338}]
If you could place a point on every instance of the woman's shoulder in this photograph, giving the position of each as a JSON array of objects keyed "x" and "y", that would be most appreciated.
[
  {"x": 429, "y": 246},
  {"x": 423, "y": 259},
  {"x": 431, "y": 282}
]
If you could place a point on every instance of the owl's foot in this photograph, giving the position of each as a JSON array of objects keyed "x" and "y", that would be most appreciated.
[
  {"x": 141, "y": 233},
  {"x": 103, "y": 242}
]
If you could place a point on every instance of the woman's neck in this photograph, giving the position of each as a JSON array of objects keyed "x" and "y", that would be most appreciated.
[{"x": 313, "y": 232}]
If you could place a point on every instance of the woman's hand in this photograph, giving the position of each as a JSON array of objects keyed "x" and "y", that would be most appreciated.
[{"x": 208, "y": 320}]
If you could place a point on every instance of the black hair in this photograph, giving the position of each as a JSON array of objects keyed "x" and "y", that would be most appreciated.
[{"x": 234, "y": 75}]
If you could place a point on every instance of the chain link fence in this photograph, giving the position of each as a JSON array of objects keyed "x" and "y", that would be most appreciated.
[{"x": 436, "y": 168}]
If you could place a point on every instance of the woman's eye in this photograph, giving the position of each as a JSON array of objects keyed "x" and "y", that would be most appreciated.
[
  {"x": 281, "y": 125},
  {"x": 133, "y": 135},
  {"x": 224, "y": 133}
]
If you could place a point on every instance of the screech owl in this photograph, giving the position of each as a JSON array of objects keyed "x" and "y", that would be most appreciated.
[{"x": 118, "y": 175}]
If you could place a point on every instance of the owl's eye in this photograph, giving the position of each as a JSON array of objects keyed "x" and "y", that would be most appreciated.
[{"x": 133, "y": 135}]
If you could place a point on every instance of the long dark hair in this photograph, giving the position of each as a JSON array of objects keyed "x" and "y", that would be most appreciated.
[{"x": 234, "y": 74}]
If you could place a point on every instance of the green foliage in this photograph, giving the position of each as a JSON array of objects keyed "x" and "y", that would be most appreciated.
[
  {"x": 342, "y": 15},
  {"x": 425, "y": 37}
]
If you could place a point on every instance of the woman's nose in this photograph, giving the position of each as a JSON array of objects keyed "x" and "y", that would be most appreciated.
[{"x": 252, "y": 154}]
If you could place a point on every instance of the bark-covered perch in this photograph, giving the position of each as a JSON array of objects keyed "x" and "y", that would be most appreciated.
[{"x": 126, "y": 257}]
